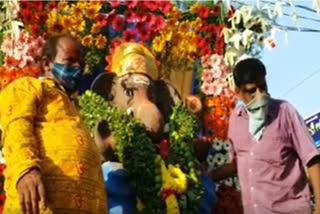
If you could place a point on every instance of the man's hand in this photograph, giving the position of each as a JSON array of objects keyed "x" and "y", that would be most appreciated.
[{"x": 31, "y": 190}]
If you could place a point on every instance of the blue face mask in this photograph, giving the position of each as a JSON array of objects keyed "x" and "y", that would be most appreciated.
[{"x": 67, "y": 76}]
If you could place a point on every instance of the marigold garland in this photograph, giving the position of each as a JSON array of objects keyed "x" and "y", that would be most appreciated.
[{"x": 172, "y": 183}]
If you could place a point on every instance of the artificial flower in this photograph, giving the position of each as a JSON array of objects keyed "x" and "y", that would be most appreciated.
[
  {"x": 195, "y": 8},
  {"x": 67, "y": 22},
  {"x": 117, "y": 23},
  {"x": 131, "y": 3},
  {"x": 203, "y": 11},
  {"x": 127, "y": 35},
  {"x": 114, "y": 3},
  {"x": 52, "y": 5},
  {"x": 63, "y": 5},
  {"x": 95, "y": 28},
  {"x": 87, "y": 41},
  {"x": 196, "y": 24},
  {"x": 215, "y": 11},
  {"x": 76, "y": 11},
  {"x": 79, "y": 24},
  {"x": 92, "y": 11},
  {"x": 129, "y": 15},
  {"x": 101, "y": 41},
  {"x": 184, "y": 26},
  {"x": 158, "y": 44}
]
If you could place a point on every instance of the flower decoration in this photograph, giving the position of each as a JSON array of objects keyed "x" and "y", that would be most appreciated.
[{"x": 169, "y": 175}]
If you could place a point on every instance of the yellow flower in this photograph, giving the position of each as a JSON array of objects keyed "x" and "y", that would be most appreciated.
[
  {"x": 179, "y": 178},
  {"x": 63, "y": 5},
  {"x": 184, "y": 26},
  {"x": 172, "y": 205},
  {"x": 79, "y": 24},
  {"x": 67, "y": 22},
  {"x": 76, "y": 10},
  {"x": 101, "y": 41},
  {"x": 52, "y": 18},
  {"x": 171, "y": 23},
  {"x": 87, "y": 41},
  {"x": 92, "y": 11},
  {"x": 158, "y": 44},
  {"x": 95, "y": 28},
  {"x": 76, "y": 36},
  {"x": 176, "y": 14},
  {"x": 194, "y": 8},
  {"x": 82, "y": 5},
  {"x": 166, "y": 34},
  {"x": 196, "y": 24},
  {"x": 140, "y": 205},
  {"x": 94, "y": 3}
]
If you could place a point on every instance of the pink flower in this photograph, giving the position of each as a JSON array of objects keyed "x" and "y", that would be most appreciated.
[
  {"x": 215, "y": 59},
  {"x": 131, "y": 4},
  {"x": 114, "y": 3},
  {"x": 151, "y": 5},
  {"x": 206, "y": 76},
  {"x": 102, "y": 19},
  {"x": 141, "y": 15},
  {"x": 150, "y": 20},
  {"x": 207, "y": 88},
  {"x": 216, "y": 72},
  {"x": 205, "y": 61},
  {"x": 7, "y": 45}
]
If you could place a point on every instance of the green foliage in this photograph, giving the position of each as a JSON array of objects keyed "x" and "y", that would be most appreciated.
[{"x": 139, "y": 155}]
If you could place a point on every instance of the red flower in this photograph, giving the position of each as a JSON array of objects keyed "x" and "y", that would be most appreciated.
[
  {"x": 24, "y": 5},
  {"x": 151, "y": 5},
  {"x": 166, "y": 193},
  {"x": 34, "y": 30},
  {"x": 56, "y": 27},
  {"x": 111, "y": 17},
  {"x": 37, "y": 5},
  {"x": 219, "y": 43},
  {"x": 219, "y": 29},
  {"x": 164, "y": 148},
  {"x": 10, "y": 61},
  {"x": 207, "y": 39},
  {"x": 165, "y": 6},
  {"x": 117, "y": 23},
  {"x": 129, "y": 15},
  {"x": 144, "y": 34},
  {"x": 215, "y": 11},
  {"x": 230, "y": 12},
  {"x": 212, "y": 28},
  {"x": 28, "y": 17},
  {"x": 204, "y": 27},
  {"x": 2, "y": 200},
  {"x": 139, "y": 26},
  {"x": 203, "y": 12},
  {"x": 159, "y": 23},
  {"x": 141, "y": 15},
  {"x": 127, "y": 35},
  {"x": 114, "y": 3},
  {"x": 115, "y": 42},
  {"x": 102, "y": 19},
  {"x": 131, "y": 4},
  {"x": 198, "y": 41},
  {"x": 52, "y": 5},
  {"x": 205, "y": 51},
  {"x": 41, "y": 17}
]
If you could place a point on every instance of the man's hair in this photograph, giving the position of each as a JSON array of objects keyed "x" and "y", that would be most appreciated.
[
  {"x": 49, "y": 49},
  {"x": 250, "y": 70}
]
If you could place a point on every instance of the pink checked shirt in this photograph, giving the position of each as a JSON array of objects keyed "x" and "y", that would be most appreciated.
[{"x": 271, "y": 171}]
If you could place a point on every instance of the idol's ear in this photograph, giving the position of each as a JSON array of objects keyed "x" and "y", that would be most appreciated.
[
  {"x": 102, "y": 85},
  {"x": 166, "y": 96}
]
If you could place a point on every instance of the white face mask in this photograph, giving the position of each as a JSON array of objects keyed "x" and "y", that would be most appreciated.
[{"x": 257, "y": 111}]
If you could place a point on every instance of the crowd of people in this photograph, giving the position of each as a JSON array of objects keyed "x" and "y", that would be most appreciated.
[{"x": 53, "y": 164}]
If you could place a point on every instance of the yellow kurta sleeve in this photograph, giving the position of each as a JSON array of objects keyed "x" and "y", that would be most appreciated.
[{"x": 18, "y": 108}]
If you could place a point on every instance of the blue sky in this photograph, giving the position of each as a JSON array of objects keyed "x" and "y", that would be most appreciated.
[{"x": 288, "y": 65}]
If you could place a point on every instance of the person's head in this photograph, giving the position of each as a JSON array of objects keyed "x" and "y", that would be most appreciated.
[
  {"x": 249, "y": 77},
  {"x": 62, "y": 59}
]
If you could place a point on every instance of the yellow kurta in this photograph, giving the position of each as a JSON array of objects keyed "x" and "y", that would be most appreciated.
[{"x": 41, "y": 128}]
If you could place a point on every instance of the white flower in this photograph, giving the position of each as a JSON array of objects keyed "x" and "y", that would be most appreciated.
[
  {"x": 210, "y": 160},
  {"x": 219, "y": 159},
  {"x": 228, "y": 182},
  {"x": 217, "y": 145},
  {"x": 247, "y": 37}
]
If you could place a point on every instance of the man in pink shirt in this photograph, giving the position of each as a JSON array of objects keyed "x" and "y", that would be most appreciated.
[{"x": 270, "y": 148}]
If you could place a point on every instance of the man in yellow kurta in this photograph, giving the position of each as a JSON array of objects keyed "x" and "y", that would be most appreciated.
[{"x": 53, "y": 165}]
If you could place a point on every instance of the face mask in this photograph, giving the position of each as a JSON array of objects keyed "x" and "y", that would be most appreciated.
[
  {"x": 67, "y": 76},
  {"x": 257, "y": 111}
]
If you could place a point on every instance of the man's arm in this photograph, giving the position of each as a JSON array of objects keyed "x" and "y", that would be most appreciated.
[
  {"x": 223, "y": 172},
  {"x": 18, "y": 108},
  {"x": 313, "y": 168}
]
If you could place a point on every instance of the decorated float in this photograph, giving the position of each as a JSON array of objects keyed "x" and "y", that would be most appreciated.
[{"x": 195, "y": 45}]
